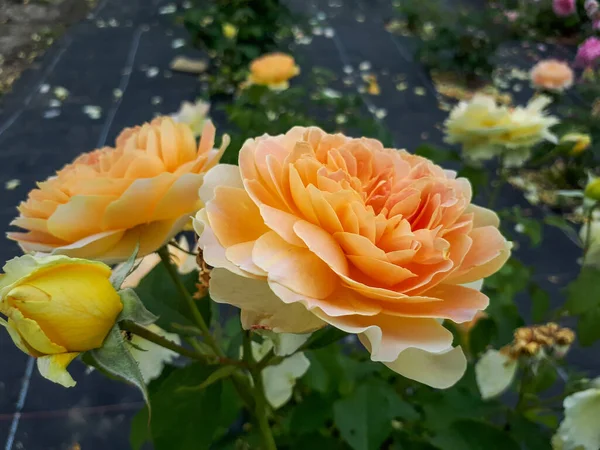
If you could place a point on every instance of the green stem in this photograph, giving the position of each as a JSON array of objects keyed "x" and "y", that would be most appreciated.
[
  {"x": 497, "y": 185},
  {"x": 145, "y": 333},
  {"x": 260, "y": 402},
  {"x": 165, "y": 257},
  {"x": 588, "y": 233},
  {"x": 522, "y": 389}
]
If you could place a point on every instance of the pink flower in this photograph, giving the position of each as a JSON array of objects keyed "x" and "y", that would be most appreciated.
[
  {"x": 596, "y": 24},
  {"x": 588, "y": 52},
  {"x": 511, "y": 15},
  {"x": 563, "y": 8}
]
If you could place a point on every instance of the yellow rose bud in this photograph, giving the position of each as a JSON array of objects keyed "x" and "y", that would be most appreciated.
[
  {"x": 229, "y": 31},
  {"x": 578, "y": 142},
  {"x": 592, "y": 190},
  {"x": 57, "y": 307}
]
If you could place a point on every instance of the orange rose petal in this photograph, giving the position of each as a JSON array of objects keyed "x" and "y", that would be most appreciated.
[
  {"x": 66, "y": 223},
  {"x": 213, "y": 252},
  {"x": 324, "y": 211},
  {"x": 221, "y": 175},
  {"x": 233, "y": 205},
  {"x": 91, "y": 246},
  {"x": 483, "y": 216},
  {"x": 135, "y": 205},
  {"x": 454, "y": 302},
  {"x": 181, "y": 198},
  {"x": 323, "y": 245},
  {"x": 39, "y": 225},
  {"x": 293, "y": 267},
  {"x": 355, "y": 244},
  {"x": 489, "y": 246},
  {"x": 241, "y": 256},
  {"x": 381, "y": 272},
  {"x": 282, "y": 223},
  {"x": 301, "y": 196},
  {"x": 391, "y": 335},
  {"x": 342, "y": 302}
]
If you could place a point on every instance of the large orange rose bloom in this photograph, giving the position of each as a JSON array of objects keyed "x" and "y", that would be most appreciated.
[
  {"x": 105, "y": 202},
  {"x": 315, "y": 229},
  {"x": 552, "y": 75}
]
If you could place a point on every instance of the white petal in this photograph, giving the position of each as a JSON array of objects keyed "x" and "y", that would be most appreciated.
[
  {"x": 438, "y": 370},
  {"x": 580, "y": 430},
  {"x": 494, "y": 373},
  {"x": 280, "y": 380},
  {"x": 152, "y": 358}
]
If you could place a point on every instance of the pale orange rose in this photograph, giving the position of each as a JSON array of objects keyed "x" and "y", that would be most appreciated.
[
  {"x": 105, "y": 202},
  {"x": 315, "y": 229},
  {"x": 273, "y": 70},
  {"x": 552, "y": 75}
]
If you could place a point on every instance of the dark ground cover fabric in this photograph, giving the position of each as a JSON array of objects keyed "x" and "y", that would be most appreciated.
[{"x": 127, "y": 45}]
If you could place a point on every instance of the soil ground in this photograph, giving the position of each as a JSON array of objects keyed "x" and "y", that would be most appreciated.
[{"x": 28, "y": 27}]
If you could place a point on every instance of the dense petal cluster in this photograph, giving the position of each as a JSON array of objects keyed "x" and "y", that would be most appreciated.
[
  {"x": 315, "y": 229},
  {"x": 105, "y": 202}
]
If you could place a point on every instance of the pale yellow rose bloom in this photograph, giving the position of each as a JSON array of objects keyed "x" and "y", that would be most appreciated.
[
  {"x": 57, "y": 307},
  {"x": 486, "y": 129}
]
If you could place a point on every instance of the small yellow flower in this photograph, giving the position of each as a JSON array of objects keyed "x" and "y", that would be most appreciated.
[
  {"x": 578, "y": 142},
  {"x": 273, "y": 70},
  {"x": 57, "y": 307},
  {"x": 230, "y": 31}
]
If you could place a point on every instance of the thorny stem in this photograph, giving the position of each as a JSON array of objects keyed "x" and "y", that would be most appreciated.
[{"x": 145, "y": 333}]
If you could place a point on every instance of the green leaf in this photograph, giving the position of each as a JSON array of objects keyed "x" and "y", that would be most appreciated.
[
  {"x": 325, "y": 371},
  {"x": 316, "y": 441},
  {"x": 133, "y": 309},
  {"x": 533, "y": 436},
  {"x": 324, "y": 337},
  {"x": 540, "y": 303},
  {"x": 120, "y": 272},
  {"x": 114, "y": 357},
  {"x": 191, "y": 419},
  {"x": 471, "y": 434},
  {"x": 483, "y": 436},
  {"x": 161, "y": 297},
  {"x": 364, "y": 418},
  {"x": 583, "y": 294},
  {"x": 478, "y": 176},
  {"x": 311, "y": 414},
  {"x": 588, "y": 330},
  {"x": 563, "y": 224},
  {"x": 139, "y": 432},
  {"x": 481, "y": 335},
  {"x": 219, "y": 374},
  {"x": 436, "y": 154}
]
